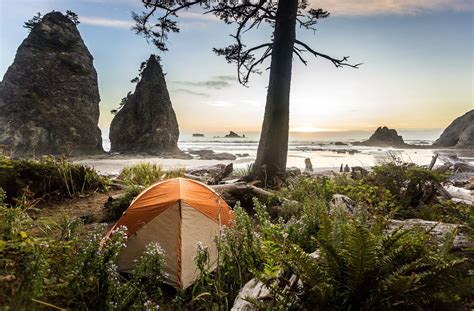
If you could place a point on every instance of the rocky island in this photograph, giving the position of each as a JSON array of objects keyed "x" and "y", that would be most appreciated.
[
  {"x": 383, "y": 137},
  {"x": 233, "y": 134},
  {"x": 49, "y": 96}
]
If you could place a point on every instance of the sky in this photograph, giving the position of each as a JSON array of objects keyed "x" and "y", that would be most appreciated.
[{"x": 417, "y": 71}]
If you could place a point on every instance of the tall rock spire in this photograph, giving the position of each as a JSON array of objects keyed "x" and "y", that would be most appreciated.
[
  {"x": 147, "y": 122},
  {"x": 49, "y": 96}
]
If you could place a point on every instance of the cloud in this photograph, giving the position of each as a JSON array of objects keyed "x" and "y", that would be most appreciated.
[
  {"x": 202, "y": 21},
  {"x": 391, "y": 7},
  {"x": 106, "y": 22},
  {"x": 212, "y": 84},
  {"x": 189, "y": 92},
  {"x": 217, "y": 82},
  {"x": 219, "y": 103},
  {"x": 226, "y": 78}
]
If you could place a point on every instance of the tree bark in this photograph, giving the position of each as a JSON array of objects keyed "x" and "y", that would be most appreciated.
[{"x": 273, "y": 146}]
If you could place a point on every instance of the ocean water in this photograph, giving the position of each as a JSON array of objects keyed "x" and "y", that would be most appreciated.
[{"x": 327, "y": 150}]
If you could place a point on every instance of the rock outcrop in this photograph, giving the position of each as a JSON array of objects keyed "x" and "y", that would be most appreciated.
[
  {"x": 147, "y": 122},
  {"x": 49, "y": 96},
  {"x": 207, "y": 154},
  {"x": 384, "y": 137},
  {"x": 232, "y": 134},
  {"x": 459, "y": 134}
]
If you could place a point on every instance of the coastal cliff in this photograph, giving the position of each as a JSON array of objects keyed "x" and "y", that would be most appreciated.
[{"x": 459, "y": 134}]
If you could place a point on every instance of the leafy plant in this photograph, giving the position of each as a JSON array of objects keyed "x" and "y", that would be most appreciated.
[
  {"x": 122, "y": 103},
  {"x": 62, "y": 268},
  {"x": 73, "y": 17},
  {"x": 144, "y": 174},
  {"x": 48, "y": 178},
  {"x": 360, "y": 266},
  {"x": 35, "y": 20},
  {"x": 410, "y": 185}
]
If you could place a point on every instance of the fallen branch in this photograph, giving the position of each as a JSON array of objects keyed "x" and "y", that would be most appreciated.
[{"x": 242, "y": 192}]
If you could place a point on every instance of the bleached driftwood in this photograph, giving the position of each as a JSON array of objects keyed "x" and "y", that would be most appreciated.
[
  {"x": 437, "y": 230},
  {"x": 257, "y": 290},
  {"x": 460, "y": 193},
  {"x": 210, "y": 175},
  {"x": 241, "y": 191},
  {"x": 254, "y": 289}
]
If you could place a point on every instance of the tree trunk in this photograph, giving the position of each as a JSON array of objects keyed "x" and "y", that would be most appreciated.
[{"x": 273, "y": 146}]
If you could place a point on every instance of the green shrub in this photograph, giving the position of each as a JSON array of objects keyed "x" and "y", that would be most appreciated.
[
  {"x": 400, "y": 189},
  {"x": 243, "y": 171},
  {"x": 410, "y": 185},
  {"x": 63, "y": 267},
  {"x": 48, "y": 178},
  {"x": 360, "y": 266},
  {"x": 308, "y": 189},
  {"x": 145, "y": 174}
]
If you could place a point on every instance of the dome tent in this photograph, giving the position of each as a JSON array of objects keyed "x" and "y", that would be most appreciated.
[{"x": 177, "y": 214}]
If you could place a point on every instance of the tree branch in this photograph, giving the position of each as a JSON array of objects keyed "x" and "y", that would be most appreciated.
[
  {"x": 297, "y": 52},
  {"x": 337, "y": 62}
]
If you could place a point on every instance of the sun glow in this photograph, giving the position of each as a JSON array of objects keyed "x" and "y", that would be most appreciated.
[{"x": 311, "y": 129}]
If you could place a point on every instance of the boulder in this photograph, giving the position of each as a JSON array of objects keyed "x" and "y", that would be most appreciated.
[
  {"x": 207, "y": 154},
  {"x": 384, "y": 137},
  {"x": 459, "y": 134},
  {"x": 201, "y": 152},
  {"x": 147, "y": 122},
  {"x": 49, "y": 96},
  {"x": 223, "y": 156}
]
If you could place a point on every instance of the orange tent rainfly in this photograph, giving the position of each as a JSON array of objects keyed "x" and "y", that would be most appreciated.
[{"x": 177, "y": 213}]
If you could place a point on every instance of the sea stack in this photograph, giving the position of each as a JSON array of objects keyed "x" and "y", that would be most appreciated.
[
  {"x": 459, "y": 134},
  {"x": 147, "y": 122},
  {"x": 384, "y": 137},
  {"x": 49, "y": 97}
]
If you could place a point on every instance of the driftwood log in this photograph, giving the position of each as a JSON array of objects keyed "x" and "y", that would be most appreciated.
[
  {"x": 244, "y": 193},
  {"x": 459, "y": 165},
  {"x": 437, "y": 230},
  {"x": 445, "y": 194},
  {"x": 211, "y": 175}
]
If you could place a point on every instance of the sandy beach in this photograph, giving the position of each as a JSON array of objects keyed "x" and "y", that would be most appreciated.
[{"x": 324, "y": 157}]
